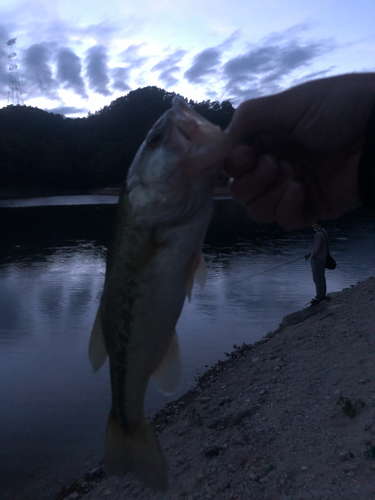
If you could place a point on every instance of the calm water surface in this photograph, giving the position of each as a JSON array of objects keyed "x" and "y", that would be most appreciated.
[{"x": 53, "y": 410}]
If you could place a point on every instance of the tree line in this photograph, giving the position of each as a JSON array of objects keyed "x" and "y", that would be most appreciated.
[{"x": 39, "y": 149}]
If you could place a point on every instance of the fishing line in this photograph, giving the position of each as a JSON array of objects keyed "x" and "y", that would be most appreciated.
[{"x": 272, "y": 268}]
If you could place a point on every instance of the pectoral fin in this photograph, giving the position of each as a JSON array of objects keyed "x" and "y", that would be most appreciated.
[
  {"x": 197, "y": 272},
  {"x": 97, "y": 349},
  {"x": 200, "y": 275},
  {"x": 167, "y": 375}
]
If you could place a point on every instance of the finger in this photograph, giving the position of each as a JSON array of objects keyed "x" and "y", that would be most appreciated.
[
  {"x": 254, "y": 183},
  {"x": 291, "y": 212},
  {"x": 241, "y": 160},
  {"x": 263, "y": 208}
]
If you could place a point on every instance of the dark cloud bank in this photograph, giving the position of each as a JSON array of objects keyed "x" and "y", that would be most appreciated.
[
  {"x": 69, "y": 69},
  {"x": 261, "y": 70}
]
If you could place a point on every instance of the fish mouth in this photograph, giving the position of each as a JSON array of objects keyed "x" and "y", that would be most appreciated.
[
  {"x": 190, "y": 123},
  {"x": 173, "y": 175}
]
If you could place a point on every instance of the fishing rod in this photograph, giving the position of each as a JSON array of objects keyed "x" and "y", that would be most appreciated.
[{"x": 272, "y": 268}]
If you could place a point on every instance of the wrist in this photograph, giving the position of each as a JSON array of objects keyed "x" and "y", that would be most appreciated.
[{"x": 366, "y": 168}]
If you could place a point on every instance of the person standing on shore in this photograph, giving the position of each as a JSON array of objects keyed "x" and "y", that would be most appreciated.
[{"x": 318, "y": 256}]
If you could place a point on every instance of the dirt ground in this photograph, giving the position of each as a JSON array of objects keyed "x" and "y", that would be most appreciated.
[{"x": 291, "y": 417}]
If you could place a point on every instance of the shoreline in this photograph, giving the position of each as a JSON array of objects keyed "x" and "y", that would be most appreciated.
[
  {"x": 291, "y": 416},
  {"x": 15, "y": 194}
]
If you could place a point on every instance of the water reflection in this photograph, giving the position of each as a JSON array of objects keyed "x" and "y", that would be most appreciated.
[
  {"x": 53, "y": 201},
  {"x": 52, "y": 262}
]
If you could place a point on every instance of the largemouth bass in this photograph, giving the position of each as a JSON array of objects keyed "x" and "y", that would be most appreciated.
[{"x": 163, "y": 214}]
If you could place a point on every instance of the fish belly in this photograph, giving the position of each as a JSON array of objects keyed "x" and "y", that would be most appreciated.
[{"x": 141, "y": 312}]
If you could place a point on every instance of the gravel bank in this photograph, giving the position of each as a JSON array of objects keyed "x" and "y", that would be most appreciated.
[{"x": 291, "y": 417}]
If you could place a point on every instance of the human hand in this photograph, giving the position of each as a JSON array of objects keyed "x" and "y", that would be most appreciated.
[
  {"x": 307, "y": 256},
  {"x": 303, "y": 164}
]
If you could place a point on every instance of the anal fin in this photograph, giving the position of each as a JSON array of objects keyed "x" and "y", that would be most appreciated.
[
  {"x": 97, "y": 349},
  {"x": 167, "y": 375},
  {"x": 197, "y": 271},
  {"x": 200, "y": 275}
]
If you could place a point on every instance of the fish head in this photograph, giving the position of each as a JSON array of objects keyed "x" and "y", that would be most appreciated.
[{"x": 173, "y": 173}]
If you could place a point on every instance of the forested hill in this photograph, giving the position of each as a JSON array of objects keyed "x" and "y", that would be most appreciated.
[{"x": 44, "y": 150}]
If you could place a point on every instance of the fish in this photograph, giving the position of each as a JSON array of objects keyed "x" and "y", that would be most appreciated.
[{"x": 155, "y": 257}]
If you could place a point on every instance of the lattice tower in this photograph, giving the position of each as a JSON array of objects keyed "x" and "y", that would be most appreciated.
[{"x": 14, "y": 93}]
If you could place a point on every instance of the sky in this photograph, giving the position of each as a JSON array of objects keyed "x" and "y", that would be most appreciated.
[{"x": 77, "y": 56}]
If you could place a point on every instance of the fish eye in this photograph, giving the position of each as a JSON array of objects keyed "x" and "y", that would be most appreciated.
[{"x": 154, "y": 139}]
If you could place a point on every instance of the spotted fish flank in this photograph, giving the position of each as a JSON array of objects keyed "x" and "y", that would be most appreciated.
[{"x": 163, "y": 214}]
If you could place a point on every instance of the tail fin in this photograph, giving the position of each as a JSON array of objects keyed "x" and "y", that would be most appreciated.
[{"x": 138, "y": 453}]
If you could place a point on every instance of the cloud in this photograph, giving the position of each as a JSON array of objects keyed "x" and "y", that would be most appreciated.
[
  {"x": 84, "y": 58},
  {"x": 168, "y": 67},
  {"x": 4, "y": 33},
  {"x": 170, "y": 60},
  {"x": 38, "y": 72},
  {"x": 132, "y": 57},
  {"x": 120, "y": 76},
  {"x": 208, "y": 61},
  {"x": 69, "y": 69},
  {"x": 167, "y": 76},
  {"x": 263, "y": 68},
  {"x": 228, "y": 43},
  {"x": 204, "y": 64},
  {"x": 103, "y": 31},
  {"x": 106, "y": 31},
  {"x": 313, "y": 76},
  {"x": 134, "y": 60},
  {"x": 291, "y": 33},
  {"x": 97, "y": 69}
]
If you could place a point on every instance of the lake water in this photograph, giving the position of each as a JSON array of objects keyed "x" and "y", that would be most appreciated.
[{"x": 53, "y": 410}]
